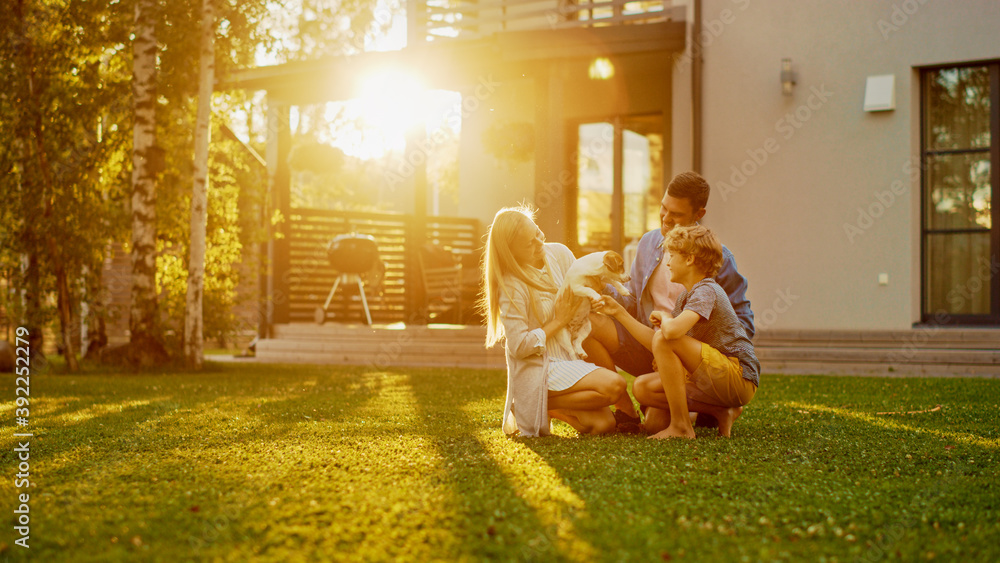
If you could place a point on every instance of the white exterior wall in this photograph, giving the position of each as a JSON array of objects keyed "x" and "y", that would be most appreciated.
[{"x": 825, "y": 156}]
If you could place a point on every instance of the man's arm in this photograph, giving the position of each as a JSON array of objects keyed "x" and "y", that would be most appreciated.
[{"x": 736, "y": 288}]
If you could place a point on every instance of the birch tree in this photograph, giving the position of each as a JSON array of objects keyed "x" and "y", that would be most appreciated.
[
  {"x": 145, "y": 347},
  {"x": 194, "y": 324}
]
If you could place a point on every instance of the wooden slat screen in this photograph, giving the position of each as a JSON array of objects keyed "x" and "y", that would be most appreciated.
[{"x": 312, "y": 277}]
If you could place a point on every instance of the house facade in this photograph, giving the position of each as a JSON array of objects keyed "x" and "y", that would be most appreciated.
[
  {"x": 848, "y": 146},
  {"x": 842, "y": 216}
]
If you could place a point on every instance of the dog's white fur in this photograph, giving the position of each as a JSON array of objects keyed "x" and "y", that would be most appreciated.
[{"x": 585, "y": 279}]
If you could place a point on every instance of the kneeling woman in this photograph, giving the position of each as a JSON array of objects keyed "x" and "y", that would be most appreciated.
[{"x": 545, "y": 378}]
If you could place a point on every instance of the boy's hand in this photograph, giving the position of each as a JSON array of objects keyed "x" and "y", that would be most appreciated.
[
  {"x": 656, "y": 318},
  {"x": 610, "y": 307}
]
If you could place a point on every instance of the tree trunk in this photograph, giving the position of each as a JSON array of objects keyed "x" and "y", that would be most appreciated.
[
  {"x": 64, "y": 304},
  {"x": 194, "y": 339},
  {"x": 33, "y": 314},
  {"x": 145, "y": 348},
  {"x": 97, "y": 328}
]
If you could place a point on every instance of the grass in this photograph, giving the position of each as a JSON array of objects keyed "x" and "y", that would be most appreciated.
[{"x": 286, "y": 463}]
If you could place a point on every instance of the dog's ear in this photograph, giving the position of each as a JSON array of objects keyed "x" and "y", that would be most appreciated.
[{"x": 614, "y": 262}]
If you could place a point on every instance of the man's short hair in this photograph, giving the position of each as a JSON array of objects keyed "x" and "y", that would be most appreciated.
[
  {"x": 690, "y": 186},
  {"x": 699, "y": 242}
]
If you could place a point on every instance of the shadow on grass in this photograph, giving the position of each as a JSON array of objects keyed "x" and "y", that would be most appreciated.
[
  {"x": 493, "y": 517},
  {"x": 273, "y": 462},
  {"x": 179, "y": 456}
]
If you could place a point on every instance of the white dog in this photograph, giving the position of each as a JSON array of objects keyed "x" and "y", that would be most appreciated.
[{"x": 586, "y": 279}]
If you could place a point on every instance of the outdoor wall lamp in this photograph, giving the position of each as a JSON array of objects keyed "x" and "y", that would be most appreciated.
[{"x": 787, "y": 77}]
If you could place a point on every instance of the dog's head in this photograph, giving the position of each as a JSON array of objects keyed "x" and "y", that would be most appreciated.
[{"x": 615, "y": 266}]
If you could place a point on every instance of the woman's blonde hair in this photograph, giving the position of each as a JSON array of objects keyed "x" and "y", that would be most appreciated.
[
  {"x": 699, "y": 242},
  {"x": 499, "y": 262}
]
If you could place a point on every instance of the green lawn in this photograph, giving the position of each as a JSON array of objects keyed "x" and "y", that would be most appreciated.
[{"x": 286, "y": 463}]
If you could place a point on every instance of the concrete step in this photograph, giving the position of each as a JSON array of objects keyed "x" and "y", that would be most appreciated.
[
  {"x": 936, "y": 351},
  {"x": 382, "y": 346},
  {"x": 922, "y": 350},
  {"x": 922, "y": 337}
]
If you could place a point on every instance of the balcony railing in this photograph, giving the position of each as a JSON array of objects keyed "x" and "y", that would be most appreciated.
[{"x": 439, "y": 19}]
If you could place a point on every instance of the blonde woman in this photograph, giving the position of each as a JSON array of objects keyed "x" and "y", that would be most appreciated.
[{"x": 545, "y": 378}]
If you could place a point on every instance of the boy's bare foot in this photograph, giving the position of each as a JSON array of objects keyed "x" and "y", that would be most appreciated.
[
  {"x": 726, "y": 420},
  {"x": 671, "y": 432}
]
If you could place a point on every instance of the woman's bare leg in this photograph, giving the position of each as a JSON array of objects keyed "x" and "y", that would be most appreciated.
[
  {"x": 584, "y": 406},
  {"x": 598, "y": 421},
  {"x": 599, "y": 388}
]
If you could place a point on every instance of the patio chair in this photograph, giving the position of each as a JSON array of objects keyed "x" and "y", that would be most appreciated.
[{"x": 441, "y": 275}]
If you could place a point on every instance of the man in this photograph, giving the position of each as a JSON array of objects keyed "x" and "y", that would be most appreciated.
[{"x": 609, "y": 344}]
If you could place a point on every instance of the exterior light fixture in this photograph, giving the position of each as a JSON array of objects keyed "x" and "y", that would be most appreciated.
[
  {"x": 787, "y": 77},
  {"x": 601, "y": 69}
]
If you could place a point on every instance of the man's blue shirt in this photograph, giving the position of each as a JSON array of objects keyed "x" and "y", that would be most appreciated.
[{"x": 648, "y": 256}]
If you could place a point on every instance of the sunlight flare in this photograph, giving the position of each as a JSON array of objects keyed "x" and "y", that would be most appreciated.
[
  {"x": 100, "y": 409},
  {"x": 393, "y": 101},
  {"x": 542, "y": 488},
  {"x": 891, "y": 424}
]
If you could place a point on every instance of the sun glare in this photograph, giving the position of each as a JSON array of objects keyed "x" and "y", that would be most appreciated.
[{"x": 393, "y": 101}]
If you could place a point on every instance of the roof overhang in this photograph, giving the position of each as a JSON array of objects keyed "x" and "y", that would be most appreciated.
[{"x": 457, "y": 63}]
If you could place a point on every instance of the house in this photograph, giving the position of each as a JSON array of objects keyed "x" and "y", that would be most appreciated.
[{"x": 849, "y": 148}]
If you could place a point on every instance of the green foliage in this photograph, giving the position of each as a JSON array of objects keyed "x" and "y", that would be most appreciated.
[
  {"x": 280, "y": 463},
  {"x": 65, "y": 141},
  {"x": 236, "y": 191},
  {"x": 63, "y": 145}
]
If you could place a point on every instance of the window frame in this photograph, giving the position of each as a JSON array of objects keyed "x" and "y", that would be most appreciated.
[{"x": 943, "y": 317}]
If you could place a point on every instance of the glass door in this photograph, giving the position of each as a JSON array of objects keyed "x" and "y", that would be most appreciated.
[{"x": 619, "y": 171}]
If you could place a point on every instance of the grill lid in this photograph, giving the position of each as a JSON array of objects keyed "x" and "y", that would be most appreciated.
[{"x": 352, "y": 253}]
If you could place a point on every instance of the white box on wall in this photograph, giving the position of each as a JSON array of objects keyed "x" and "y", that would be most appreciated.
[{"x": 880, "y": 93}]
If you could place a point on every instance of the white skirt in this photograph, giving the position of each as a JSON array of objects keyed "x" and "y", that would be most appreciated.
[{"x": 564, "y": 374}]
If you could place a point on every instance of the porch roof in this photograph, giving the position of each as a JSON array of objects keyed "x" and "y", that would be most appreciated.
[{"x": 454, "y": 64}]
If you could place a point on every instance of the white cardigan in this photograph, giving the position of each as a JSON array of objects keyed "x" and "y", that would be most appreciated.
[{"x": 524, "y": 343}]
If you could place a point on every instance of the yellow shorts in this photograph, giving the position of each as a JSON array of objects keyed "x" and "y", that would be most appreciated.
[{"x": 719, "y": 380}]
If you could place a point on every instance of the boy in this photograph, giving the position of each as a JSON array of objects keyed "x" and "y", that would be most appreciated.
[
  {"x": 610, "y": 344},
  {"x": 704, "y": 360}
]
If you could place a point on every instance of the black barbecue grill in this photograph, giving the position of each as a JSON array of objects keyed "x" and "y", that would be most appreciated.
[{"x": 352, "y": 255}]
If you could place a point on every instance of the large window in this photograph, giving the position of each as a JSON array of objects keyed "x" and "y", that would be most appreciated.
[{"x": 960, "y": 157}]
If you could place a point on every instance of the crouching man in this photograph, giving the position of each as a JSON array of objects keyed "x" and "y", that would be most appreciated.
[{"x": 704, "y": 360}]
